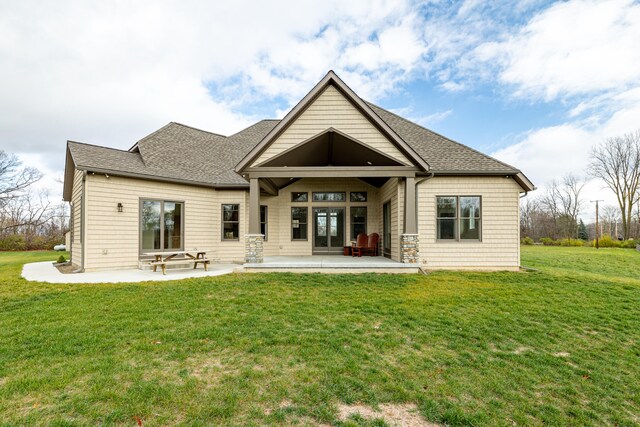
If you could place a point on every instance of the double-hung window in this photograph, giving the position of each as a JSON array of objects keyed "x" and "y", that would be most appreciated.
[
  {"x": 458, "y": 218},
  {"x": 358, "y": 221},
  {"x": 263, "y": 221},
  {"x": 299, "y": 223},
  {"x": 230, "y": 222}
]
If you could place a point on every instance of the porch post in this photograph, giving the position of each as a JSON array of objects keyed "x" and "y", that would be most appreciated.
[
  {"x": 254, "y": 240},
  {"x": 409, "y": 242},
  {"x": 254, "y": 206}
]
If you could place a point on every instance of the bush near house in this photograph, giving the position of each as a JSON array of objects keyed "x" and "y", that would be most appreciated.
[{"x": 604, "y": 242}]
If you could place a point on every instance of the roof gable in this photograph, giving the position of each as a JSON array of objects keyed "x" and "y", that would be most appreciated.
[{"x": 330, "y": 85}]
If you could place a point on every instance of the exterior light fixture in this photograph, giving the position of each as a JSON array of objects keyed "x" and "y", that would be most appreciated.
[{"x": 119, "y": 207}]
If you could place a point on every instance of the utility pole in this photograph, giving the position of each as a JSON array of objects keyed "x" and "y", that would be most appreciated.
[{"x": 597, "y": 216}]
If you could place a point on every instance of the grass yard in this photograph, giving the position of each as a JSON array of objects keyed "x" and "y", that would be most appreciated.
[{"x": 557, "y": 346}]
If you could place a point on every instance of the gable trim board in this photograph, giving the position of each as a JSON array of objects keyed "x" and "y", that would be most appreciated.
[{"x": 206, "y": 169}]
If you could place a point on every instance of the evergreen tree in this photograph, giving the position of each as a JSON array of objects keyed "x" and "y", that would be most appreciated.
[{"x": 582, "y": 231}]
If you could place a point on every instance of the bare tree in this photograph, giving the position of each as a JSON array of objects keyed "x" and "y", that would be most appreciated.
[
  {"x": 14, "y": 179},
  {"x": 617, "y": 162},
  {"x": 609, "y": 218},
  {"x": 563, "y": 203}
]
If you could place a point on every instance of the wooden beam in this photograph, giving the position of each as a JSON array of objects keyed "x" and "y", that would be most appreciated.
[
  {"x": 269, "y": 187},
  {"x": 332, "y": 172}
]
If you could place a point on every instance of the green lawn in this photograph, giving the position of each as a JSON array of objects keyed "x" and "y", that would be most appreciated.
[{"x": 557, "y": 346}]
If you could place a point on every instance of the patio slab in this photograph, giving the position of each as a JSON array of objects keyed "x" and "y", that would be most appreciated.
[{"x": 46, "y": 272}]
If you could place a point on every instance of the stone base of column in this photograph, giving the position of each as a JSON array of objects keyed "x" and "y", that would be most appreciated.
[
  {"x": 409, "y": 248},
  {"x": 253, "y": 248}
]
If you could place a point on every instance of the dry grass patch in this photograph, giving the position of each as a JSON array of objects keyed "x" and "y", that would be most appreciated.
[{"x": 395, "y": 415}]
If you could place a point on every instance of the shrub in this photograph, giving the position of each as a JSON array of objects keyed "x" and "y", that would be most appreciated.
[
  {"x": 628, "y": 244},
  {"x": 547, "y": 241},
  {"x": 607, "y": 242},
  {"x": 61, "y": 259},
  {"x": 571, "y": 242},
  {"x": 13, "y": 242},
  {"x": 527, "y": 241}
]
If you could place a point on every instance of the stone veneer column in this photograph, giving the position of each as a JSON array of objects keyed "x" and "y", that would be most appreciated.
[
  {"x": 253, "y": 248},
  {"x": 409, "y": 248}
]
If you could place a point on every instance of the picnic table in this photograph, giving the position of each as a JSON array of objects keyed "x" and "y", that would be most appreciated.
[{"x": 162, "y": 259}]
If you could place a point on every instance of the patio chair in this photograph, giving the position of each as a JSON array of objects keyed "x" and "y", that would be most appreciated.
[
  {"x": 371, "y": 248},
  {"x": 361, "y": 241}
]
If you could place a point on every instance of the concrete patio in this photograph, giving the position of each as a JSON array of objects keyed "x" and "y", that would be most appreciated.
[
  {"x": 46, "y": 272},
  {"x": 330, "y": 264}
]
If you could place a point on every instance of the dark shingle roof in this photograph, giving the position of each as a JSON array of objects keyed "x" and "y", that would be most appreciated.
[
  {"x": 182, "y": 153},
  {"x": 442, "y": 154}
]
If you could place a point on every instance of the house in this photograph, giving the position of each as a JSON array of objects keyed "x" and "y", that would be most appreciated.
[{"x": 333, "y": 167}]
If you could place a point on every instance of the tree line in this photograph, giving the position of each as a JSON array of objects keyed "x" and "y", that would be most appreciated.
[
  {"x": 29, "y": 220},
  {"x": 554, "y": 214}
]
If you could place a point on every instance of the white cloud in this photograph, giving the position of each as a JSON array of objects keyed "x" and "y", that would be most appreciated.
[{"x": 572, "y": 48}]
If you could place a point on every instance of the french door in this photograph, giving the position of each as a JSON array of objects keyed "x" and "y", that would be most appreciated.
[{"x": 328, "y": 230}]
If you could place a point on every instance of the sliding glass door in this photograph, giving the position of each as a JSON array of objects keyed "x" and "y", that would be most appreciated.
[{"x": 161, "y": 225}]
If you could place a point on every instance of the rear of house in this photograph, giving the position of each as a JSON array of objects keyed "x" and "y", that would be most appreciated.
[{"x": 333, "y": 167}]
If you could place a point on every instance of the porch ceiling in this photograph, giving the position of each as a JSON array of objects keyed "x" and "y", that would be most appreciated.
[{"x": 332, "y": 148}]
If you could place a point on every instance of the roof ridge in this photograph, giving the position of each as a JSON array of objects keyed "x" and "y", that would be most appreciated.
[
  {"x": 198, "y": 129},
  {"x": 148, "y": 136},
  {"x": 252, "y": 125},
  {"x": 443, "y": 137},
  {"x": 99, "y": 146}
]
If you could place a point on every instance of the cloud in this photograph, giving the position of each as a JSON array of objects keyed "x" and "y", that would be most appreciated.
[{"x": 572, "y": 48}]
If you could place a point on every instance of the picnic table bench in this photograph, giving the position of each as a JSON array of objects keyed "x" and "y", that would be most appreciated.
[{"x": 163, "y": 259}]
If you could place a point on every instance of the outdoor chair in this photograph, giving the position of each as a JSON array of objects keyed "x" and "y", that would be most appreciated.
[
  {"x": 361, "y": 241},
  {"x": 370, "y": 246}
]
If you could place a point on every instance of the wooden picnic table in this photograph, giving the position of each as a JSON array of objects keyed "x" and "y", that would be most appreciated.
[{"x": 178, "y": 257}]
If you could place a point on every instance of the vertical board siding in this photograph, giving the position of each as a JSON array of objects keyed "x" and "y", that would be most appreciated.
[
  {"x": 331, "y": 109},
  {"x": 113, "y": 238},
  {"x": 76, "y": 200},
  {"x": 500, "y": 245}
]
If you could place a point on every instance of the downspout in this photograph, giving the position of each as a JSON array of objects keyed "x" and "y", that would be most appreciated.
[{"x": 82, "y": 221}]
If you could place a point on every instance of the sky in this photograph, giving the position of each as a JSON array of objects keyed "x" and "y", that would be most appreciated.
[{"x": 533, "y": 83}]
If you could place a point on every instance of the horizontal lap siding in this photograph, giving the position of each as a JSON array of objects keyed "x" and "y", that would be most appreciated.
[
  {"x": 76, "y": 200},
  {"x": 500, "y": 246},
  {"x": 119, "y": 232},
  {"x": 390, "y": 193},
  {"x": 279, "y": 221},
  {"x": 331, "y": 109}
]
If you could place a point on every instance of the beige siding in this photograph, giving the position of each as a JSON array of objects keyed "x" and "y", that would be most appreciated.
[
  {"x": 279, "y": 218},
  {"x": 331, "y": 109},
  {"x": 76, "y": 218},
  {"x": 499, "y": 248},
  {"x": 113, "y": 238},
  {"x": 390, "y": 193}
]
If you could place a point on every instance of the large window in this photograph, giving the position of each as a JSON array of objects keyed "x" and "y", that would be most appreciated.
[
  {"x": 458, "y": 218},
  {"x": 329, "y": 197},
  {"x": 358, "y": 221},
  {"x": 161, "y": 225},
  {"x": 298, "y": 223},
  {"x": 263, "y": 221},
  {"x": 230, "y": 222}
]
